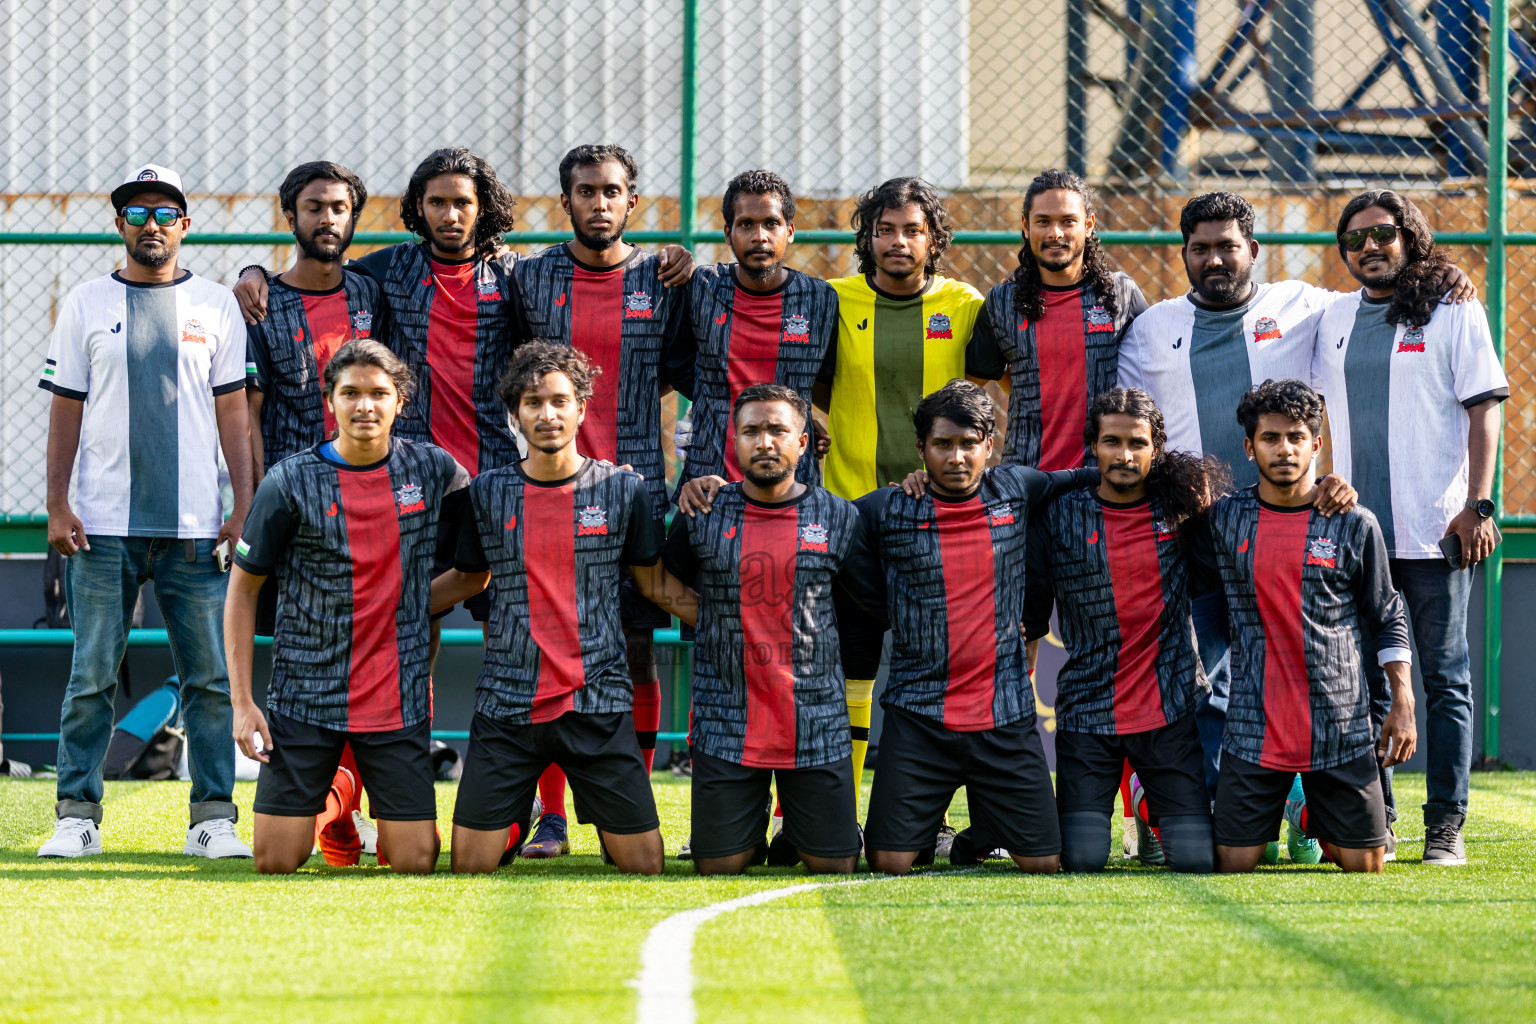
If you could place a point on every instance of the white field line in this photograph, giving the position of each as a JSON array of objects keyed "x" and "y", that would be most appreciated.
[{"x": 665, "y": 981}]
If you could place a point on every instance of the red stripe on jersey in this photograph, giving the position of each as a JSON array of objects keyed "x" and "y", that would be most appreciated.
[
  {"x": 757, "y": 321},
  {"x": 1136, "y": 579},
  {"x": 373, "y": 538},
  {"x": 769, "y": 541},
  {"x": 451, "y": 326},
  {"x": 1061, "y": 349},
  {"x": 1279, "y": 550},
  {"x": 330, "y": 327},
  {"x": 965, "y": 546},
  {"x": 549, "y": 522},
  {"x": 597, "y": 328}
]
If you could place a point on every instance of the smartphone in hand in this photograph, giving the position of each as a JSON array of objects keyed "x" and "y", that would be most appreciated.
[{"x": 221, "y": 555}]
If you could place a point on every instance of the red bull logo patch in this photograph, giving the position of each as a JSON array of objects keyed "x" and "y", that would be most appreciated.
[
  {"x": 592, "y": 521},
  {"x": 637, "y": 306},
  {"x": 797, "y": 329},
  {"x": 1099, "y": 321},
  {"x": 362, "y": 323},
  {"x": 488, "y": 291},
  {"x": 410, "y": 499},
  {"x": 938, "y": 327},
  {"x": 1265, "y": 329},
  {"x": 1413, "y": 340},
  {"x": 1322, "y": 551},
  {"x": 813, "y": 537},
  {"x": 1000, "y": 515}
]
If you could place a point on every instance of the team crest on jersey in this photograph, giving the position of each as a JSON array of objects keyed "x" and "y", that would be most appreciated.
[
  {"x": 797, "y": 328},
  {"x": 409, "y": 498},
  {"x": 1164, "y": 530},
  {"x": 1322, "y": 551},
  {"x": 938, "y": 327},
  {"x": 1413, "y": 340},
  {"x": 362, "y": 323},
  {"x": 813, "y": 537},
  {"x": 592, "y": 521},
  {"x": 1099, "y": 320},
  {"x": 193, "y": 331},
  {"x": 1000, "y": 515},
  {"x": 637, "y": 306},
  {"x": 488, "y": 291},
  {"x": 1265, "y": 329}
]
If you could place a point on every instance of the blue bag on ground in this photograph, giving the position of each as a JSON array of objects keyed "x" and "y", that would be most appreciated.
[{"x": 147, "y": 743}]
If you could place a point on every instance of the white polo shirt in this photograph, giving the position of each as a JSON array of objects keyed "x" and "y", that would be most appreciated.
[
  {"x": 147, "y": 361},
  {"x": 1397, "y": 408}
]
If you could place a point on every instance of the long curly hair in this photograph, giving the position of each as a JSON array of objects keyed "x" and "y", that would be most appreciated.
[
  {"x": 1423, "y": 281},
  {"x": 892, "y": 195},
  {"x": 1183, "y": 483},
  {"x": 496, "y": 203},
  {"x": 1028, "y": 301}
]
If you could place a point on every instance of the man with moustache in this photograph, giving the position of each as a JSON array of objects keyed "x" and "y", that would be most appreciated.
[{"x": 147, "y": 372}]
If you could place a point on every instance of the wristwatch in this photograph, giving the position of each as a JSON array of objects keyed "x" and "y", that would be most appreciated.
[{"x": 1482, "y": 506}]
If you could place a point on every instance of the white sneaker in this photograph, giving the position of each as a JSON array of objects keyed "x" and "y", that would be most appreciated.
[
  {"x": 367, "y": 831},
  {"x": 215, "y": 839},
  {"x": 72, "y": 837}
]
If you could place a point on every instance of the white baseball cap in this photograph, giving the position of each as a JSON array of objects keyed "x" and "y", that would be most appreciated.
[{"x": 149, "y": 178}]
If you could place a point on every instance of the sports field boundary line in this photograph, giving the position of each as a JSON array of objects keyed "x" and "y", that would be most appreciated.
[{"x": 665, "y": 981}]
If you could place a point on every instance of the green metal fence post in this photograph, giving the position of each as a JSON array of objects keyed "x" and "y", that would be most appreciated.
[{"x": 1498, "y": 287}]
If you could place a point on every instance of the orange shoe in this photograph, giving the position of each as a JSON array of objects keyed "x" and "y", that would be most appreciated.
[{"x": 334, "y": 830}]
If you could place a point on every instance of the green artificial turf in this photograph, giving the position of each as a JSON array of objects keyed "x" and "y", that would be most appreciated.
[{"x": 142, "y": 934}]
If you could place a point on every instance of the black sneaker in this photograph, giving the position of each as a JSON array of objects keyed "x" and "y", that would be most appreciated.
[
  {"x": 962, "y": 850},
  {"x": 782, "y": 852},
  {"x": 1443, "y": 845}
]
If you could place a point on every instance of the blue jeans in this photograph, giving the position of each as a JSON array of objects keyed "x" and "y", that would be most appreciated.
[
  {"x": 102, "y": 587},
  {"x": 1436, "y": 597},
  {"x": 1209, "y": 612}
]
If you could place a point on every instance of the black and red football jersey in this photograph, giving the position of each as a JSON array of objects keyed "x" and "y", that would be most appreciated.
[
  {"x": 745, "y": 338},
  {"x": 954, "y": 576},
  {"x": 632, "y": 328},
  {"x": 286, "y": 355},
  {"x": 1119, "y": 578},
  {"x": 456, "y": 324},
  {"x": 1302, "y": 590},
  {"x": 768, "y": 686},
  {"x": 556, "y": 552},
  {"x": 353, "y": 549},
  {"x": 1056, "y": 366}
]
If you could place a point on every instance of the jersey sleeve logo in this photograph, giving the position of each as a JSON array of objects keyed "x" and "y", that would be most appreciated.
[
  {"x": 1000, "y": 515},
  {"x": 362, "y": 323},
  {"x": 637, "y": 306},
  {"x": 410, "y": 499},
  {"x": 193, "y": 331},
  {"x": 1099, "y": 320},
  {"x": 1322, "y": 551},
  {"x": 938, "y": 327},
  {"x": 488, "y": 291},
  {"x": 797, "y": 328},
  {"x": 1265, "y": 329},
  {"x": 1413, "y": 340},
  {"x": 813, "y": 537},
  {"x": 592, "y": 522}
]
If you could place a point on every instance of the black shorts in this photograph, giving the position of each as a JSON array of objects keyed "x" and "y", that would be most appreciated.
[
  {"x": 600, "y": 756},
  {"x": 1168, "y": 761},
  {"x": 1007, "y": 781},
  {"x": 730, "y": 808},
  {"x": 1344, "y": 804},
  {"x": 397, "y": 765}
]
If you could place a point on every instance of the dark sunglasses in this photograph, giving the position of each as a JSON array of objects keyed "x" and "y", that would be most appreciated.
[
  {"x": 1381, "y": 234},
  {"x": 165, "y": 216}
]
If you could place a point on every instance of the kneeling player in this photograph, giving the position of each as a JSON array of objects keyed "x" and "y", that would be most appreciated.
[
  {"x": 1114, "y": 562},
  {"x": 768, "y": 699},
  {"x": 959, "y": 707},
  {"x": 350, "y": 528},
  {"x": 1300, "y": 591},
  {"x": 550, "y": 534}
]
